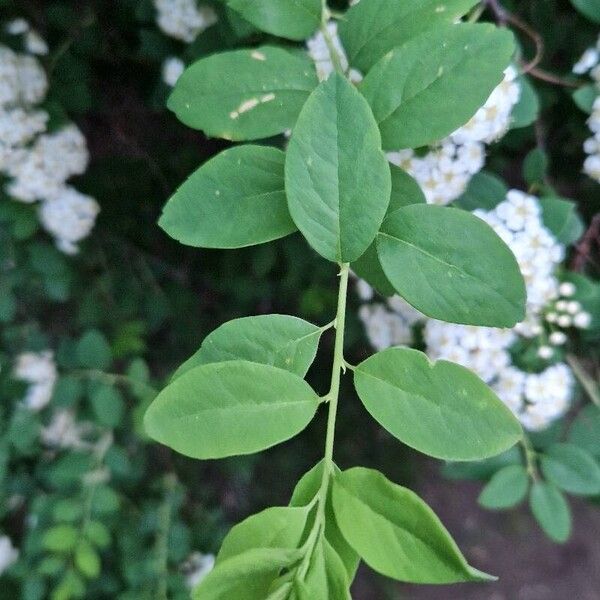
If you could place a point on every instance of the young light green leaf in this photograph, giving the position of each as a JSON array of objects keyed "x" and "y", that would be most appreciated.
[
  {"x": 484, "y": 191},
  {"x": 572, "y": 469},
  {"x": 279, "y": 340},
  {"x": 248, "y": 575},
  {"x": 291, "y": 19},
  {"x": 236, "y": 199},
  {"x": 60, "y": 538},
  {"x": 451, "y": 266},
  {"x": 395, "y": 532},
  {"x": 244, "y": 94},
  {"x": 584, "y": 97},
  {"x": 87, "y": 560},
  {"x": 589, "y": 8},
  {"x": 371, "y": 29},
  {"x": 505, "y": 489},
  {"x": 551, "y": 511},
  {"x": 441, "y": 409},
  {"x": 275, "y": 527},
  {"x": 229, "y": 408},
  {"x": 435, "y": 83},
  {"x": 337, "y": 178},
  {"x": 561, "y": 218},
  {"x": 535, "y": 166},
  {"x": 306, "y": 489},
  {"x": 326, "y": 577}
]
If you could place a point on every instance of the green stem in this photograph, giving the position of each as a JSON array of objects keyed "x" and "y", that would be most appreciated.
[
  {"x": 162, "y": 538},
  {"x": 588, "y": 384},
  {"x": 530, "y": 458},
  {"x": 332, "y": 398},
  {"x": 333, "y": 54}
]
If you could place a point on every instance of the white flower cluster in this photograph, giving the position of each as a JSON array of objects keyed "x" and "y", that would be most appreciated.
[
  {"x": 318, "y": 50},
  {"x": 64, "y": 431},
  {"x": 183, "y": 19},
  {"x": 172, "y": 68},
  {"x": 38, "y": 164},
  {"x": 445, "y": 171},
  {"x": 38, "y": 369},
  {"x": 590, "y": 63},
  {"x": 197, "y": 567},
  {"x": 32, "y": 40},
  {"x": 536, "y": 398},
  {"x": 8, "y": 553}
]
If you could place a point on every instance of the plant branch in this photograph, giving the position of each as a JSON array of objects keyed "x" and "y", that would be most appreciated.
[
  {"x": 587, "y": 383},
  {"x": 530, "y": 457},
  {"x": 333, "y": 53}
]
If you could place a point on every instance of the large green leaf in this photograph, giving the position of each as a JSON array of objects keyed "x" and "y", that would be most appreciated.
[
  {"x": 275, "y": 527},
  {"x": 292, "y": 19},
  {"x": 236, "y": 199},
  {"x": 280, "y": 340},
  {"x": 244, "y": 94},
  {"x": 451, "y": 266},
  {"x": 229, "y": 408},
  {"x": 395, "y": 532},
  {"x": 551, "y": 511},
  {"x": 442, "y": 409},
  {"x": 589, "y": 8},
  {"x": 584, "y": 430},
  {"x": 247, "y": 576},
  {"x": 435, "y": 83},
  {"x": 337, "y": 178},
  {"x": 371, "y": 29},
  {"x": 506, "y": 488},
  {"x": 572, "y": 469},
  {"x": 304, "y": 492}
]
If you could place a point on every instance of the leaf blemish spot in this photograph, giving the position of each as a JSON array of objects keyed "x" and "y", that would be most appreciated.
[
  {"x": 244, "y": 107},
  {"x": 256, "y": 55}
]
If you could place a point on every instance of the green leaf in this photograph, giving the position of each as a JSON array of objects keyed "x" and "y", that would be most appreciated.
[
  {"x": 275, "y": 527},
  {"x": 395, "y": 532},
  {"x": 526, "y": 110},
  {"x": 337, "y": 178},
  {"x": 589, "y": 8},
  {"x": 304, "y": 492},
  {"x": 93, "y": 351},
  {"x": 584, "y": 430},
  {"x": 551, "y": 511},
  {"x": 505, "y": 489},
  {"x": 484, "y": 191},
  {"x": 405, "y": 190},
  {"x": 369, "y": 268},
  {"x": 97, "y": 534},
  {"x": 291, "y": 19},
  {"x": 236, "y": 199},
  {"x": 278, "y": 340},
  {"x": 60, "y": 538},
  {"x": 371, "y": 29},
  {"x": 451, "y": 266},
  {"x": 561, "y": 218},
  {"x": 87, "y": 560},
  {"x": 584, "y": 97},
  {"x": 572, "y": 469},
  {"x": 248, "y": 575},
  {"x": 535, "y": 166},
  {"x": 424, "y": 90},
  {"x": 230, "y": 408},
  {"x": 108, "y": 406},
  {"x": 244, "y": 94},
  {"x": 326, "y": 576},
  {"x": 442, "y": 409}
]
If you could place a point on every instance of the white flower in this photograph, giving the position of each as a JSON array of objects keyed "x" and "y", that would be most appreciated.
[
  {"x": 567, "y": 289},
  {"x": 183, "y": 19},
  {"x": 197, "y": 567},
  {"x": 8, "y": 553},
  {"x": 589, "y": 59},
  {"x": 364, "y": 290},
  {"x": 582, "y": 320},
  {"x": 545, "y": 352},
  {"x": 69, "y": 216},
  {"x": 39, "y": 370},
  {"x": 492, "y": 120},
  {"x": 172, "y": 68},
  {"x": 557, "y": 338},
  {"x": 384, "y": 328},
  {"x": 63, "y": 431}
]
